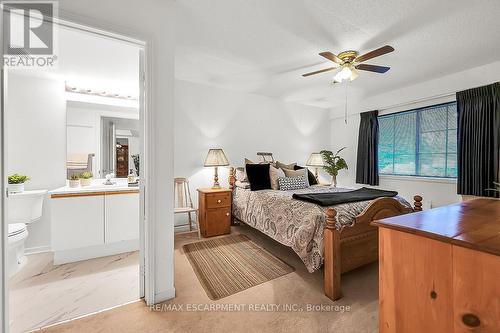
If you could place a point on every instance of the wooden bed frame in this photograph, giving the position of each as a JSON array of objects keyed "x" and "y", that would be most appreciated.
[{"x": 352, "y": 247}]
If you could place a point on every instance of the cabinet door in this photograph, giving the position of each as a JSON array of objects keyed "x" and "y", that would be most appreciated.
[
  {"x": 77, "y": 222},
  {"x": 415, "y": 282},
  {"x": 476, "y": 288},
  {"x": 218, "y": 221},
  {"x": 122, "y": 217}
]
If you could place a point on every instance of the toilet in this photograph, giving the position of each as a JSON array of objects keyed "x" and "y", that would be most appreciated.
[{"x": 22, "y": 208}]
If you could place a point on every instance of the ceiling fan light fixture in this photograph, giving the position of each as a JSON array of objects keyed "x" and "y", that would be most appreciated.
[
  {"x": 337, "y": 78},
  {"x": 345, "y": 73},
  {"x": 354, "y": 74}
]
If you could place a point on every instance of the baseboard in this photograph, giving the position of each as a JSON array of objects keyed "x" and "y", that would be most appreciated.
[
  {"x": 164, "y": 295},
  {"x": 37, "y": 249}
]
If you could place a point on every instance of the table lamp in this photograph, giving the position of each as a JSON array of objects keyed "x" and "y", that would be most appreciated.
[
  {"x": 216, "y": 158},
  {"x": 316, "y": 161}
]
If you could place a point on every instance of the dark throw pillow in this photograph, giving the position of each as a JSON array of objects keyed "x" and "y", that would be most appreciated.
[
  {"x": 310, "y": 175},
  {"x": 258, "y": 176}
]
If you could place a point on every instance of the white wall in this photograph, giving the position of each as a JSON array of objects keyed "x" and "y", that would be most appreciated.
[
  {"x": 150, "y": 20},
  {"x": 36, "y": 145},
  {"x": 242, "y": 124},
  {"x": 435, "y": 192}
]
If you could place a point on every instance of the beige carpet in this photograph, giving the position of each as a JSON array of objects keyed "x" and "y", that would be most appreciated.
[
  {"x": 231, "y": 264},
  {"x": 356, "y": 311}
]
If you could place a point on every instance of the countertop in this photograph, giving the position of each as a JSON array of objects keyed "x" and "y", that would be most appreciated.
[
  {"x": 474, "y": 224},
  {"x": 97, "y": 186}
]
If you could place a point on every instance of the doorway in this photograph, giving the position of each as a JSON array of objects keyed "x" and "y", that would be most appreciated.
[{"x": 87, "y": 99}]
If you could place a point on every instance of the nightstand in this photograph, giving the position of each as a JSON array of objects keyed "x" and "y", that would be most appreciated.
[{"x": 214, "y": 209}]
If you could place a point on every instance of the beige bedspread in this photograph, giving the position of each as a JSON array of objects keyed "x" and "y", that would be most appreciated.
[{"x": 294, "y": 223}]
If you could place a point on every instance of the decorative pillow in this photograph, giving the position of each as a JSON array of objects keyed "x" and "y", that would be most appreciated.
[
  {"x": 241, "y": 175},
  {"x": 285, "y": 166},
  {"x": 258, "y": 176},
  {"x": 310, "y": 175},
  {"x": 245, "y": 185},
  {"x": 293, "y": 183},
  {"x": 296, "y": 173},
  {"x": 274, "y": 174}
]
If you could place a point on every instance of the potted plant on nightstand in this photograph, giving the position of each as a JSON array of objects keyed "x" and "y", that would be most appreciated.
[
  {"x": 74, "y": 181},
  {"x": 16, "y": 183},
  {"x": 86, "y": 178},
  {"x": 333, "y": 163}
]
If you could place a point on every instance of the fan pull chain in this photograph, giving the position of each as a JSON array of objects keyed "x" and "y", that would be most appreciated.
[{"x": 345, "y": 116}]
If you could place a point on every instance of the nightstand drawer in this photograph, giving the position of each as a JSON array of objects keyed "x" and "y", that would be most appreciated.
[
  {"x": 218, "y": 222},
  {"x": 216, "y": 200}
]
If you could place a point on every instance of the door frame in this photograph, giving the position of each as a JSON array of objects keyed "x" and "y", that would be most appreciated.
[{"x": 146, "y": 228}]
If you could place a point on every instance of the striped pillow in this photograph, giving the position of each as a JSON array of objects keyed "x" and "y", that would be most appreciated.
[{"x": 292, "y": 183}]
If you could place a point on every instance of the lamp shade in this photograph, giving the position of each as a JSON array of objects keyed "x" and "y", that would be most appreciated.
[
  {"x": 216, "y": 157},
  {"x": 315, "y": 160}
]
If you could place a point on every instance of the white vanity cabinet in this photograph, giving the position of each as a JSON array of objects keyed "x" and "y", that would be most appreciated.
[
  {"x": 121, "y": 216},
  {"x": 77, "y": 222},
  {"x": 89, "y": 224}
]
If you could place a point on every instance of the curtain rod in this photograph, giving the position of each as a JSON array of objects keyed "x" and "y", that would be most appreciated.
[{"x": 424, "y": 99}]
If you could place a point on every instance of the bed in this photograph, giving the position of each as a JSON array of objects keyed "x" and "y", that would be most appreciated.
[{"x": 339, "y": 237}]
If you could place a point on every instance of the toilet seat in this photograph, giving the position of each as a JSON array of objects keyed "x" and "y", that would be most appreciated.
[{"x": 17, "y": 231}]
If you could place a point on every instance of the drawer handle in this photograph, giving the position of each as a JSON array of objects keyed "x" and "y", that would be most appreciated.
[
  {"x": 227, "y": 214},
  {"x": 219, "y": 201},
  {"x": 471, "y": 320}
]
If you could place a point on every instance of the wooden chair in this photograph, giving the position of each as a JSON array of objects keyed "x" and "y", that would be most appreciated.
[{"x": 182, "y": 201}]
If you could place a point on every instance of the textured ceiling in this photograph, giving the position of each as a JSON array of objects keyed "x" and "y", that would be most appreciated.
[{"x": 263, "y": 46}]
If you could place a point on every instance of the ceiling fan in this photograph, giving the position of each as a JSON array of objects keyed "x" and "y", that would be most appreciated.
[{"x": 350, "y": 62}]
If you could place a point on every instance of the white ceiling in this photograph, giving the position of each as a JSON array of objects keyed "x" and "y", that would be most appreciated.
[
  {"x": 99, "y": 62},
  {"x": 263, "y": 46},
  {"x": 91, "y": 61}
]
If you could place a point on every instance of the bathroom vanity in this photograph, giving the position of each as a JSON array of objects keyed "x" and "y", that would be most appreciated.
[{"x": 94, "y": 221}]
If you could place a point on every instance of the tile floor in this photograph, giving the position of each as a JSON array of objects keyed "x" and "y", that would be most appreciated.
[{"x": 42, "y": 294}]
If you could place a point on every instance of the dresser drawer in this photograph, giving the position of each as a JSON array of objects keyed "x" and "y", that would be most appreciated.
[{"x": 216, "y": 200}]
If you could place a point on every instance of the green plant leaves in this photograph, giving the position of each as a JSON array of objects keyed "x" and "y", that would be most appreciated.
[
  {"x": 333, "y": 162},
  {"x": 17, "y": 179}
]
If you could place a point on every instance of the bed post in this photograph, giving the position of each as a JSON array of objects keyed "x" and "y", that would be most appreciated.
[
  {"x": 417, "y": 205},
  {"x": 331, "y": 265},
  {"x": 232, "y": 180}
]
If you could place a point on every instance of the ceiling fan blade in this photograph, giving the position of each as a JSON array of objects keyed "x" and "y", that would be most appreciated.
[
  {"x": 372, "y": 68},
  {"x": 332, "y": 57},
  {"x": 375, "y": 53},
  {"x": 320, "y": 71}
]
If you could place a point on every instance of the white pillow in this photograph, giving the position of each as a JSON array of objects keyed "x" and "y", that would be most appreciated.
[{"x": 241, "y": 175}]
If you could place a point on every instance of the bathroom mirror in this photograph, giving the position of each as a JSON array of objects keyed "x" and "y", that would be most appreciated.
[{"x": 102, "y": 139}]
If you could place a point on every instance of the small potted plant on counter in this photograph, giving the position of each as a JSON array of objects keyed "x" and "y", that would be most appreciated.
[
  {"x": 86, "y": 178},
  {"x": 74, "y": 181},
  {"x": 16, "y": 183}
]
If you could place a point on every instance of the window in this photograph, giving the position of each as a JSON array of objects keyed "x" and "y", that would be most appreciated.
[{"x": 420, "y": 142}]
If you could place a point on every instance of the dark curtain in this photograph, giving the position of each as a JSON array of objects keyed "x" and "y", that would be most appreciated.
[
  {"x": 478, "y": 140},
  {"x": 367, "y": 164}
]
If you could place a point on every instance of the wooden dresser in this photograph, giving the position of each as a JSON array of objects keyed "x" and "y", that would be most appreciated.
[
  {"x": 214, "y": 211},
  {"x": 440, "y": 269}
]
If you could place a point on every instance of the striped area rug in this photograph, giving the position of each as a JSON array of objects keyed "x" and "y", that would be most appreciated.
[{"x": 230, "y": 264}]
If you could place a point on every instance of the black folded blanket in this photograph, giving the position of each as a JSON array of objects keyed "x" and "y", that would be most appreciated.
[{"x": 336, "y": 198}]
